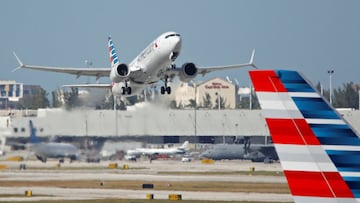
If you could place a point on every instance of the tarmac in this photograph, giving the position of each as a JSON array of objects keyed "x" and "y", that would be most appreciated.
[{"x": 139, "y": 171}]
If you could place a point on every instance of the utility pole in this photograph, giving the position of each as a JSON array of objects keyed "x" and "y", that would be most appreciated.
[
  {"x": 359, "y": 98},
  {"x": 330, "y": 72},
  {"x": 218, "y": 100}
]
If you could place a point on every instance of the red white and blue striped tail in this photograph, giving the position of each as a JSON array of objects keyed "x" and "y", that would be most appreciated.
[
  {"x": 114, "y": 60},
  {"x": 319, "y": 152}
]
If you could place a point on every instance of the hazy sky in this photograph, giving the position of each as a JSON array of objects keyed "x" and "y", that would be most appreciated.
[{"x": 309, "y": 36}]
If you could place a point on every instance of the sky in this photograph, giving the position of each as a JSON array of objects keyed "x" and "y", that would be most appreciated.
[{"x": 309, "y": 36}]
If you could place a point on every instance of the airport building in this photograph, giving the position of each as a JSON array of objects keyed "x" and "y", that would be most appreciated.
[
  {"x": 212, "y": 94},
  {"x": 150, "y": 124},
  {"x": 12, "y": 92}
]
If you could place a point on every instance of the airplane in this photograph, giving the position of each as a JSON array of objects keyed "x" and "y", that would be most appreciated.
[
  {"x": 253, "y": 152},
  {"x": 43, "y": 151},
  {"x": 164, "y": 151},
  {"x": 318, "y": 150},
  {"x": 257, "y": 153},
  {"x": 154, "y": 63}
]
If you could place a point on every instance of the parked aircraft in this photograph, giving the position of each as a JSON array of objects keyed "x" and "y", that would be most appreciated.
[
  {"x": 51, "y": 149},
  {"x": 318, "y": 150},
  {"x": 253, "y": 152},
  {"x": 154, "y": 63},
  {"x": 163, "y": 151}
]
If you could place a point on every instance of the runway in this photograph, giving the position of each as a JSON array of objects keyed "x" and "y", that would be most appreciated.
[
  {"x": 164, "y": 170},
  {"x": 84, "y": 194}
]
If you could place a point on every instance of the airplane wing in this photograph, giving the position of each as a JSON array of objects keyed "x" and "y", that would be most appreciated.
[
  {"x": 97, "y": 72},
  {"x": 176, "y": 71},
  {"x": 101, "y": 86},
  {"x": 209, "y": 69}
]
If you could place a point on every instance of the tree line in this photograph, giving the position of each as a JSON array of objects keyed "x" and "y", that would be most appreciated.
[{"x": 345, "y": 96}]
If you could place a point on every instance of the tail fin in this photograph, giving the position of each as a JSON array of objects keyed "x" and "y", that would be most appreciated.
[
  {"x": 185, "y": 145},
  {"x": 114, "y": 60},
  {"x": 318, "y": 150},
  {"x": 33, "y": 138}
]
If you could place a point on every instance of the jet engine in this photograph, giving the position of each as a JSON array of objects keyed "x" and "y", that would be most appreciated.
[
  {"x": 120, "y": 73},
  {"x": 188, "y": 72}
]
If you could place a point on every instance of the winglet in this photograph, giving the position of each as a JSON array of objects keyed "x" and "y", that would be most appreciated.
[
  {"x": 21, "y": 64},
  {"x": 251, "y": 62}
]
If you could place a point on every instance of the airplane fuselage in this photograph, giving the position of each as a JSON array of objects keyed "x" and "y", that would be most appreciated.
[
  {"x": 149, "y": 66},
  {"x": 55, "y": 150}
]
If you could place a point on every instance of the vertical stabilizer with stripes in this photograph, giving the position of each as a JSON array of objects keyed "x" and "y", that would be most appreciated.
[
  {"x": 318, "y": 150},
  {"x": 114, "y": 60}
]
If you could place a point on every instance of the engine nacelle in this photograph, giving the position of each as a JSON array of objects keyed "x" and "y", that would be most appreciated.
[
  {"x": 120, "y": 73},
  {"x": 188, "y": 72}
]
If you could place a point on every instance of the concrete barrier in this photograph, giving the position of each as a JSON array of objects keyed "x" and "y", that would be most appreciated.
[
  {"x": 112, "y": 165},
  {"x": 125, "y": 166},
  {"x": 175, "y": 197},
  {"x": 15, "y": 158},
  {"x": 28, "y": 193},
  {"x": 3, "y": 167},
  {"x": 207, "y": 161},
  {"x": 149, "y": 196}
]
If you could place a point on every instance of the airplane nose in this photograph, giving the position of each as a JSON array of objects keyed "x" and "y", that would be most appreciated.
[
  {"x": 175, "y": 47},
  {"x": 177, "y": 43}
]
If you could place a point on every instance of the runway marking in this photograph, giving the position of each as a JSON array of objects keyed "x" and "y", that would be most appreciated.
[{"x": 279, "y": 188}]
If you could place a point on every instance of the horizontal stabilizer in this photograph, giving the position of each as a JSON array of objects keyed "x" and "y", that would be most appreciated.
[{"x": 104, "y": 86}]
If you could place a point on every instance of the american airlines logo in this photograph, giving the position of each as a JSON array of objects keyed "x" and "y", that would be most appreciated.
[{"x": 112, "y": 53}]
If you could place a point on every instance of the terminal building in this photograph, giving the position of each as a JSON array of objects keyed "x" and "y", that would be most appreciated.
[
  {"x": 150, "y": 122},
  {"x": 212, "y": 94}
]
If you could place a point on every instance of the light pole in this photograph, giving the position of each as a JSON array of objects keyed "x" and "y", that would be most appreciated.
[
  {"x": 195, "y": 108},
  {"x": 330, "y": 72},
  {"x": 359, "y": 99},
  {"x": 250, "y": 97},
  {"x": 218, "y": 100}
]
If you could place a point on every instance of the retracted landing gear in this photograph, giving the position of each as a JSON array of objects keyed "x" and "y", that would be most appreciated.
[{"x": 165, "y": 88}]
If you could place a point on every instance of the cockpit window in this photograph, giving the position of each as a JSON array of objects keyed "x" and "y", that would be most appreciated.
[{"x": 172, "y": 35}]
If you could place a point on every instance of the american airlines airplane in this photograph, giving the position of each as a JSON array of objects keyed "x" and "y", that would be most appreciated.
[
  {"x": 154, "y": 63},
  {"x": 318, "y": 150}
]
